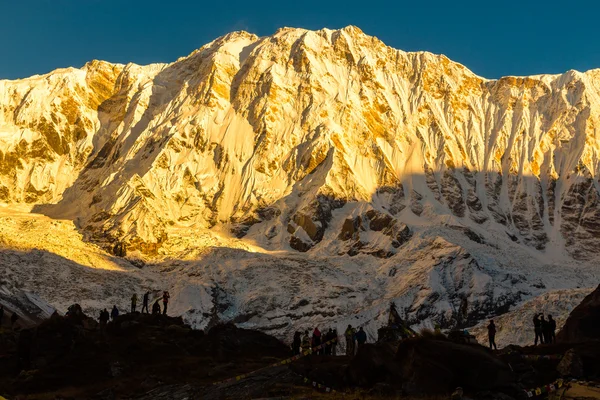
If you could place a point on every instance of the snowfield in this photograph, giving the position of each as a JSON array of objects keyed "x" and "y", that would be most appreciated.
[{"x": 304, "y": 179}]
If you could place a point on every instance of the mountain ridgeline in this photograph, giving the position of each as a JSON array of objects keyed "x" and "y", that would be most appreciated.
[
  {"x": 231, "y": 132},
  {"x": 324, "y": 166}
]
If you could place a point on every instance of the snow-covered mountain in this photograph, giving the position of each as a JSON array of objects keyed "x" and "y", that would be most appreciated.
[{"x": 310, "y": 177}]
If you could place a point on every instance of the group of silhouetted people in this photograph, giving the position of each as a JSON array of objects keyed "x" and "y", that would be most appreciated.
[
  {"x": 545, "y": 330},
  {"x": 329, "y": 340},
  {"x": 319, "y": 343},
  {"x": 354, "y": 339},
  {"x": 156, "y": 309}
]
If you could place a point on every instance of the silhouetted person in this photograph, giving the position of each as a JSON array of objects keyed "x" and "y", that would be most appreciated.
[
  {"x": 551, "y": 330},
  {"x": 166, "y": 297},
  {"x": 133, "y": 302},
  {"x": 114, "y": 313},
  {"x": 296, "y": 343},
  {"x": 329, "y": 337},
  {"x": 13, "y": 319},
  {"x": 156, "y": 307},
  {"x": 349, "y": 335},
  {"x": 104, "y": 316},
  {"x": 361, "y": 337},
  {"x": 537, "y": 326},
  {"x": 492, "y": 334},
  {"x": 316, "y": 340},
  {"x": 1, "y": 314},
  {"x": 145, "y": 302},
  {"x": 544, "y": 327},
  {"x": 305, "y": 344},
  {"x": 335, "y": 343}
]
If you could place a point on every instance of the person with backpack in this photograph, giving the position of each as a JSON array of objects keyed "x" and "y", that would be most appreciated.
[
  {"x": 156, "y": 307},
  {"x": 145, "y": 302},
  {"x": 492, "y": 334},
  {"x": 166, "y": 297},
  {"x": 114, "y": 313},
  {"x": 133, "y": 302},
  {"x": 361, "y": 337}
]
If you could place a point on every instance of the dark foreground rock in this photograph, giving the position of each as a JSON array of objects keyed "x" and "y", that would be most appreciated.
[
  {"x": 583, "y": 323},
  {"x": 430, "y": 366},
  {"x": 141, "y": 356},
  {"x": 132, "y": 356}
]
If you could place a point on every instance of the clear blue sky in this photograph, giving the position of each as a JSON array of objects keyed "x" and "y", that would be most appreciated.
[{"x": 492, "y": 38}]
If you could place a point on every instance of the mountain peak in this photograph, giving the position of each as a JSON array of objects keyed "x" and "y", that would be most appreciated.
[{"x": 317, "y": 165}]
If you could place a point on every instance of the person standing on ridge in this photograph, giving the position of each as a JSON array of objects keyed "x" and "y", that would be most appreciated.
[
  {"x": 335, "y": 343},
  {"x": 329, "y": 340},
  {"x": 492, "y": 334},
  {"x": 13, "y": 319},
  {"x": 114, "y": 313},
  {"x": 133, "y": 302},
  {"x": 349, "y": 335},
  {"x": 156, "y": 307},
  {"x": 103, "y": 320},
  {"x": 166, "y": 297},
  {"x": 305, "y": 342},
  {"x": 316, "y": 341},
  {"x": 537, "y": 326},
  {"x": 296, "y": 343},
  {"x": 145, "y": 302},
  {"x": 544, "y": 329},
  {"x": 551, "y": 330},
  {"x": 361, "y": 337}
]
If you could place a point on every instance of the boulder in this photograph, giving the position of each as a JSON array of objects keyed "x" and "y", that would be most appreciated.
[
  {"x": 374, "y": 363},
  {"x": 571, "y": 365},
  {"x": 436, "y": 366},
  {"x": 582, "y": 324}
]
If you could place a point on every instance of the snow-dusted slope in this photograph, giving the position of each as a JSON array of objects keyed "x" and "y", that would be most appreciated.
[
  {"x": 516, "y": 326},
  {"x": 322, "y": 165}
]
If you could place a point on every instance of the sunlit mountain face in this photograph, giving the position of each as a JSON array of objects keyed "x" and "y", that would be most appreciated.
[{"x": 300, "y": 179}]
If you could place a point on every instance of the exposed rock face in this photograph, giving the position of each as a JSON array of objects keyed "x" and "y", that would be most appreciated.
[{"x": 381, "y": 234}]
